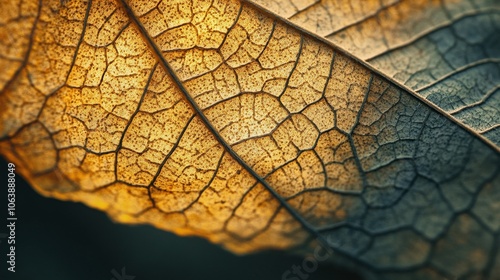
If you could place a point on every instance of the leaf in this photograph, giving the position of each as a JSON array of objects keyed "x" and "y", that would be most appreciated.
[
  {"x": 446, "y": 51},
  {"x": 218, "y": 119}
]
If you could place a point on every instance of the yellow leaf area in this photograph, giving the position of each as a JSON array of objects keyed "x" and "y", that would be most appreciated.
[{"x": 212, "y": 118}]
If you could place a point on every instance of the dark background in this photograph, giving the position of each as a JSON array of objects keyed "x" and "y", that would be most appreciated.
[{"x": 66, "y": 240}]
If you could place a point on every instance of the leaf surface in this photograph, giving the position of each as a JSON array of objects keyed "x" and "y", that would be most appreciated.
[
  {"x": 447, "y": 51},
  {"x": 220, "y": 120}
]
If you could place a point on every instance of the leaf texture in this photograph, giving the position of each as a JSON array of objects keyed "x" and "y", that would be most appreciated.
[
  {"x": 218, "y": 119},
  {"x": 447, "y": 51}
]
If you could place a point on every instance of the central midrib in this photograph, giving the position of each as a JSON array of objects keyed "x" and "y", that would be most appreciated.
[{"x": 157, "y": 52}]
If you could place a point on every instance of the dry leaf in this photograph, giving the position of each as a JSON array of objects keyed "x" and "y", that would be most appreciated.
[{"x": 220, "y": 120}]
